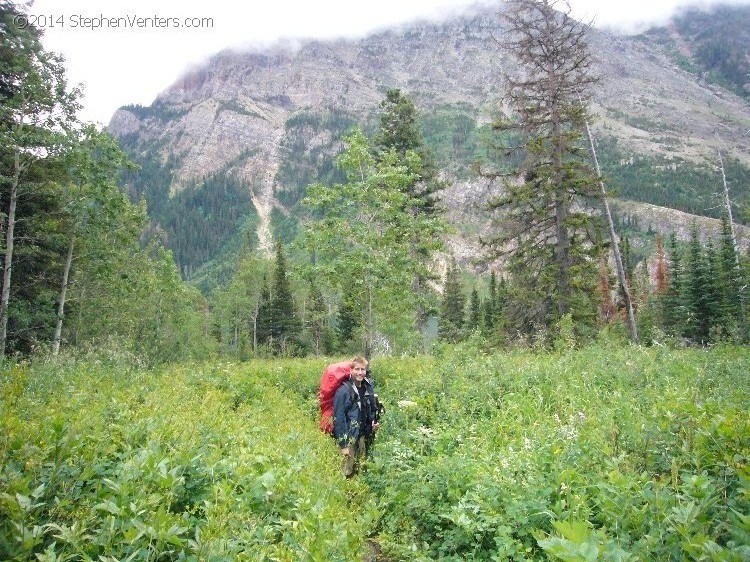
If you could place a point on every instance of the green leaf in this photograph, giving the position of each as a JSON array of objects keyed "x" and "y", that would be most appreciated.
[{"x": 109, "y": 506}]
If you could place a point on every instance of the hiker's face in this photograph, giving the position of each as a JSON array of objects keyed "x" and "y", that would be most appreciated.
[{"x": 358, "y": 372}]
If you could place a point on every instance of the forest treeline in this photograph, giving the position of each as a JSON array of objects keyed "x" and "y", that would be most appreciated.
[{"x": 86, "y": 234}]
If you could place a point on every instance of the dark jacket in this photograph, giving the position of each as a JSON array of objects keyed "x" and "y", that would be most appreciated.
[{"x": 353, "y": 414}]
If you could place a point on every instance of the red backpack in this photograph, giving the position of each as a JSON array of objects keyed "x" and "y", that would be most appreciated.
[{"x": 334, "y": 376}]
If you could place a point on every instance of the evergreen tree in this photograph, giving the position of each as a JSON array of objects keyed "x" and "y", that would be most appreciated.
[
  {"x": 607, "y": 308},
  {"x": 629, "y": 263},
  {"x": 545, "y": 222},
  {"x": 264, "y": 319},
  {"x": 401, "y": 134},
  {"x": 475, "y": 311},
  {"x": 399, "y": 125},
  {"x": 712, "y": 314},
  {"x": 490, "y": 305},
  {"x": 696, "y": 291},
  {"x": 627, "y": 257},
  {"x": 729, "y": 279},
  {"x": 452, "y": 311},
  {"x": 285, "y": 323},
  {"x": 674, "y": 310},
  {"x": 501, "y": 308}
]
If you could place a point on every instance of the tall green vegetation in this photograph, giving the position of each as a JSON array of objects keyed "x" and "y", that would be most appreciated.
[
  {"x": 258, "y": 313},
  {"x": 602, "y": 453},
  {"x": 195, "y": 462},
  {"x": 401, "y": 134},
  {"x": 238, "y": 308},
  {"x": 75, "y": 269},
  {"x": 700, "y": 300},
  {"x": 363, "y": 236},
  {"x": 671, "y": 181},
  {"x": 543, "y": 222},
  {"x": 93, "y": 204},
  {"x": 37, "y": 108},
  {"x": 453, "y": 315},
  {"x": 285, "y": 323}
]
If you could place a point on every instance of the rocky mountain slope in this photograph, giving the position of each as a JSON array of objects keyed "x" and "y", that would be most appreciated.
[
  {"x": 714, "y": 45},
  {"x": 274, "y": 118}
]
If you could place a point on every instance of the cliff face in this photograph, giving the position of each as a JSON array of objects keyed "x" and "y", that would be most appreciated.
[{"x": 240, "y": 111}]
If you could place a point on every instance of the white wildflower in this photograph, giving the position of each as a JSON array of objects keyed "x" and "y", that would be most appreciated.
[{"x": 406, "y": 404}]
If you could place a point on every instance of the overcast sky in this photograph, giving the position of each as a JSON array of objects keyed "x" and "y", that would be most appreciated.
[{"x": 131, "y": 61}]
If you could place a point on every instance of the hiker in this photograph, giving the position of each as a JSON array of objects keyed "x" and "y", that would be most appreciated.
[{"x": 354, "y": 416}]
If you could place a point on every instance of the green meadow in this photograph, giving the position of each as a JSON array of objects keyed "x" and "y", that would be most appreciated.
[{"x": 602, "y": 453}]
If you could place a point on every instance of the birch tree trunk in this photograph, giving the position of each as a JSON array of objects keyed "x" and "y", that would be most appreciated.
[
  {"x": 9, "y": 233},
  {"x": 63, "y": 291},
  {"x": 613, "y": 237},
  {"x": 7, "y": 265}
]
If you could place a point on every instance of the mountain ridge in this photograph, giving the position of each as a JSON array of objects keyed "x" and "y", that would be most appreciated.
[{"x": 269, "y": 105}]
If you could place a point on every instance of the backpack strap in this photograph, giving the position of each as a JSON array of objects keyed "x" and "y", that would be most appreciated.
[{"x": 352, "y": 395}]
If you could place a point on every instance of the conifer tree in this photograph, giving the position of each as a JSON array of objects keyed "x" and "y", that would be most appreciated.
[
  {"x": 627, "y": 256},
  {"x": 475, "y": 311},
  {"x": 285, "y": 323},
  {"x": 546, "y": 218},
  {"x": 490, "y": 305},
  {"x": 674, "y": 310},
  {"x": 452, "y": 315},
  {"x": 696, "y": 293},
  {"x": 607, "y": 308},
  {"x": 400, "y": 132},
  {"x": 264, "y": 317},
  {"x": 712, "y": 314},
  {"x": 501, "y": 312},
  {"x": 729, "y": 279}
]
